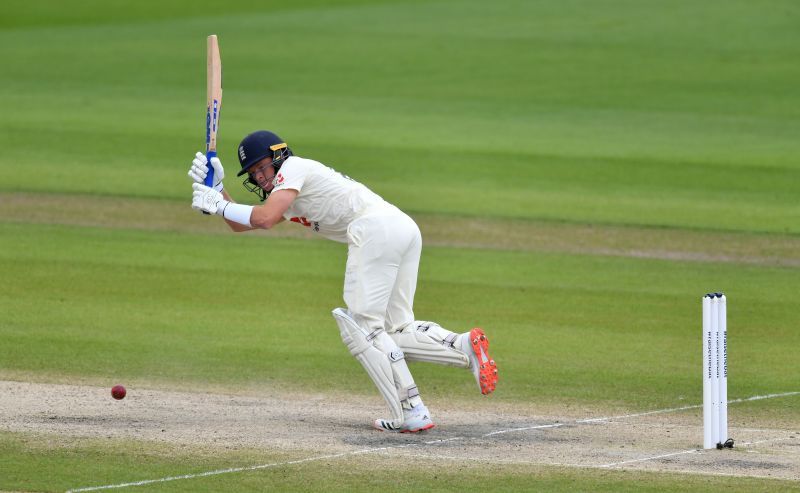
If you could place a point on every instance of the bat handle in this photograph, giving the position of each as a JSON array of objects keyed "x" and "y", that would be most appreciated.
[{"x": 209, "y": 181}]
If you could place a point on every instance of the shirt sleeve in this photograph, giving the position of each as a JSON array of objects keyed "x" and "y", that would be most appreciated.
[{"x": 292, "y": 175}]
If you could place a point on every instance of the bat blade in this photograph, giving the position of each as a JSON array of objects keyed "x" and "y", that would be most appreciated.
[{"x": 213, "y": 102}]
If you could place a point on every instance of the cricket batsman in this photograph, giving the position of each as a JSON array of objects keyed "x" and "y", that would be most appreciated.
[{"x": 384, "y": 247}]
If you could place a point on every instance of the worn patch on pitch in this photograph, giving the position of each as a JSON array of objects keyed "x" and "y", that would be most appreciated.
[{"x": 315, "y": 424}]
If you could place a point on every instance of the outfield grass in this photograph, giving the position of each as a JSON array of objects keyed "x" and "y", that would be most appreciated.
[
  {"x": 132, "y": 305},
  {"x": 626, "y": 113},
  {"x": 593, "y": 132}
]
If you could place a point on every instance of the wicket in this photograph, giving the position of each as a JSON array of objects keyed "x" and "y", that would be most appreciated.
[{"x": 715, "y": 372}]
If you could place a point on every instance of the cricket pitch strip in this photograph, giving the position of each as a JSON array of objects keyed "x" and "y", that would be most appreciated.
[{"x": 323, "y": 428}]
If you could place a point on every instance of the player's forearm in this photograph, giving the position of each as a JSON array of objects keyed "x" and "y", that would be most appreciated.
[
  {"x": 265, "y": 217},
  {"x": 240, "y": 217},
  {"x": 235, "y": 227},
  {"x": 271, "y": 213}
]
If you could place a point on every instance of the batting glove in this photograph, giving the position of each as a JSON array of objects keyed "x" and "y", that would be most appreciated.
[
  {"x": 199, "y": 170},
  {"x": 207, "y": 199}
]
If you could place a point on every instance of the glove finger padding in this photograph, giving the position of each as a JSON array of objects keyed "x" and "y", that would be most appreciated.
[
  {"x": 206, "y": 199},
  {"x": 219, "y": 171},
  {"x": 197, "y": 200},
  {"x": 196, "y": 203},
  {"x": 196, "y": 176},
  {"x": 198, "y": 170}
]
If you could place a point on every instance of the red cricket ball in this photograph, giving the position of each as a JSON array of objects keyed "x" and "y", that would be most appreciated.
[{"x": 118, "y": 392}]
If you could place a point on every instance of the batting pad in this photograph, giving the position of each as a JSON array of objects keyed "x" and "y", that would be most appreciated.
[
  {"x": 431, "y": 343},
  {"x": 378, "y": 365}
]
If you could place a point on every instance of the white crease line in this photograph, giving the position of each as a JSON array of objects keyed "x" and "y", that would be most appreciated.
[
  {"x": 684, "y": 408},
  {"x": 241, "y": 469},
  {"x": 300, "y": 461},
  {"x": 510, "y": 430},
  {"x": 380, "y": 449},
  {"x": 262, "y": 466},
  {"x": 636, "y": 415},
  {"x": 759, "y": 397},
  {"x": 200, "y": 475},
  {"x": 593, "y": 466},
  {"x": 645, "y": 459}
]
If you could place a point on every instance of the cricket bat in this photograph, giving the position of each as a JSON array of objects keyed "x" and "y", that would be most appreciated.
[{"x": 213, "y": 103}]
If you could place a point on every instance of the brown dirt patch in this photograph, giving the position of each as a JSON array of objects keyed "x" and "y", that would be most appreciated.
[{"x": 315, "y": 425}]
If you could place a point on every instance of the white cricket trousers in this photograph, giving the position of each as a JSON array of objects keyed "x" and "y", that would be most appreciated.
[{"x": 384, "y": 247}]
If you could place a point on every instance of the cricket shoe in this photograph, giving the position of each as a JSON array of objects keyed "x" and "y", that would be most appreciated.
[
  {"x": 483, "y": 367},
  {"x": 414, "y": 420}
]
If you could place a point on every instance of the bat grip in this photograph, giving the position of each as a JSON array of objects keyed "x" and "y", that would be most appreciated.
[{"x": 209, "y": 181}]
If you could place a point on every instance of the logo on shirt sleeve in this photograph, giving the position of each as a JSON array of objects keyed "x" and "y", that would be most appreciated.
[
  {"x": 279, "y": 179},
  {"x": 305, "y": 222}
]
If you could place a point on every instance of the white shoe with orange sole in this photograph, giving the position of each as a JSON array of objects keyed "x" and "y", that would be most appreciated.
[
  {"x": 416, "y": 419},
  {"x": 483, "y": 367}
]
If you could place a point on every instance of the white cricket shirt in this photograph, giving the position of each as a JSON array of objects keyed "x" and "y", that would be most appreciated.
[{"x": 327, "y": 201}]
